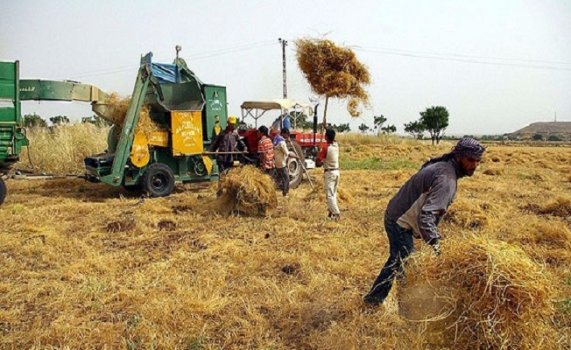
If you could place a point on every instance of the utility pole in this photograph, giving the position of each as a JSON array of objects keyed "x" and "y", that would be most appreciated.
[
  {"x": 555, "y": 116},
  {"x": 284, "y": 44}
]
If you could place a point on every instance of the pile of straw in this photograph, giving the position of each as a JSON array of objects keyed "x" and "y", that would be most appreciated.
[
  {"x": 333, "y": 71},
  {"x": 247, "y": 190},
  {"x": 117, "y": 109},
  {"x": 491, "y": 295}
]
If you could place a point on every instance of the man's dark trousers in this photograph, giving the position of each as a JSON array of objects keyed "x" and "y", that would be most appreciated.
[{"x": 401, "y": 246}]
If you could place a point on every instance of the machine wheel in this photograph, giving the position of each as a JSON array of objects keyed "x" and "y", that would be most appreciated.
[
  {"x": 3, "y": 190},
  {"x": 158, "y": 180},
  {"x": 295, "y": 165}
]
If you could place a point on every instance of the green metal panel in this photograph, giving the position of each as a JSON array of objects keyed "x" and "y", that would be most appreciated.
[
  {"x": 59, "y": 91},
  {"x": 215, "y": 106},
  {"x": 9, "y": 97},
  {"x": 127, "y": 133}
]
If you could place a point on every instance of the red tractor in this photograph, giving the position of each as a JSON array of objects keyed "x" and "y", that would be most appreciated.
[{"x": 305, "y": 144}]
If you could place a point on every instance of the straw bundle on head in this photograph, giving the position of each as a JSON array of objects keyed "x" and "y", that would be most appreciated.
[
  {"x": 247, "y": 190},
  {"x": 493, "y": 296},
  {"x": 333, "y": 71}
]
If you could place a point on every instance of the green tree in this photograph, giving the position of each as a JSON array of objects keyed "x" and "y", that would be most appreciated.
[
  {"x": 537, "y": 137},
  {"x": 415, "y": 129},
  {"x": 363, "y": 128},
  {"x": 389, "y": 129},
  {"x": 341, "y": 127},
  {"x": 554, "y": 138},
  {"x": 34, "y": 121},
  {"x": 301, "y": 120},
  {"x": 59, "y": 120},
  {"x": 435, "y": 121},
  {"x": 378, "y": 122}
]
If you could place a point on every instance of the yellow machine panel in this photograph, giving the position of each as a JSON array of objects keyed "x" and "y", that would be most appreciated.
[
  {"x": 159, "y": 138},
  {"x": 186, "y": 133},
  {"x": 140, "y": 150}
]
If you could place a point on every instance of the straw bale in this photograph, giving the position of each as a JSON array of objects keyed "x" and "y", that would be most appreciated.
[
  {"x": 333, "y": 71},
  {"x": 490, "y": 295},
  {"x": 247, "y": 190}
]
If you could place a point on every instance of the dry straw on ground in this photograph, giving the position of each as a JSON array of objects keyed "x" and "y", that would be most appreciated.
[
  {"x": 88, "y": 266},
  {"x": 247, "y": 190},
  {"x": 492, "y": 296}
]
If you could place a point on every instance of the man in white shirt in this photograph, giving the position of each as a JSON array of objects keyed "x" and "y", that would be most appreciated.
[{"x": 282, "y": 154}]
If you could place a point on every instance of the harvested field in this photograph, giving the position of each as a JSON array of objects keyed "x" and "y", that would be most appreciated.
[{"x": 87, "y": 266}]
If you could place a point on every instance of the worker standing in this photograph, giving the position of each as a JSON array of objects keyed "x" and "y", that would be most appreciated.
[
  {"x": 329, "y": 157},
  {"x": 265, "y": 151},
  {"x": 225, "y": 143},
  {"x": 417, "y": 208},
  {"x": 282, "y": 155}
]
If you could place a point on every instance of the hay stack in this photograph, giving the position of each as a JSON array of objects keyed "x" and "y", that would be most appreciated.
[
  {"x": 333, "y": 71},
  {"x": 247, "y": 190},
  {"x": 490, "y": 295}
]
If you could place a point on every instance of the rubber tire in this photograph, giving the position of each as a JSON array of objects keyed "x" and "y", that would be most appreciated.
[
  {"x": 158, "y": 180},
  {"x": 3, "y": 191},
  {"x": 294, "y": 165}
]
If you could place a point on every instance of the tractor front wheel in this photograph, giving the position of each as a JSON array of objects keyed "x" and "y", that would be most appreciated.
[
  {"x": 158, "y": 180},
  {"x": 2, "y": 190}
]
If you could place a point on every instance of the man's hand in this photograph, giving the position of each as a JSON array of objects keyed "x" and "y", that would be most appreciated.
[{"x": 435, "y": 244}]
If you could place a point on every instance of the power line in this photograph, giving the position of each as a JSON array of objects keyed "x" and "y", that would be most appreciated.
[
  {"x": 462, "y": 55},
  {"x": 458, "y": 59},
  {"x": 200, "y": 56}
]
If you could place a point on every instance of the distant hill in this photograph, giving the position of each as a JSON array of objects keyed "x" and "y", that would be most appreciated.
[{"x": 545, "y": 129}]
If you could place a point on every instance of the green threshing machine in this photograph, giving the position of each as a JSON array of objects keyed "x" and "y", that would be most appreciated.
[
  {"x": 183, "y": 107},
  {"x": 12, "y": 136}
]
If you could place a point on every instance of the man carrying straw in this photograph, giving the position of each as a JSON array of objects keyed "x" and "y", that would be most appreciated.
[
  {"x": 329, "y": 157},
  {"x": 416, "y": 210}
]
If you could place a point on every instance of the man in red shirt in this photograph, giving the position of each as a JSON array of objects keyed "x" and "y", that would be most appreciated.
[{"x": 265, "y": 150}]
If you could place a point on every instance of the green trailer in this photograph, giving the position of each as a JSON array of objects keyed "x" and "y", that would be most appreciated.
[{"x": 12, "y": 135}]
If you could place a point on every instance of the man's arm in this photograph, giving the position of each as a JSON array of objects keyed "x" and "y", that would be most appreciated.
[
  {"x": 439, "y": 197},
  {"x": 322, "y": 155}
]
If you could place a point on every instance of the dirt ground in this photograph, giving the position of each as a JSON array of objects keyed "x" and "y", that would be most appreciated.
[{"x": 90, "y": 266}]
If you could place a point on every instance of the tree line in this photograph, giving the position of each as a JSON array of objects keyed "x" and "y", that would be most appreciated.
[{"x": 35, "y": 121}]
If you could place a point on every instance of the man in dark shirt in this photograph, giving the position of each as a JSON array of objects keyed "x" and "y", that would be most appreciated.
[
  {"x": 226, "y": 143},
  {"x": 416, "y": 210}
]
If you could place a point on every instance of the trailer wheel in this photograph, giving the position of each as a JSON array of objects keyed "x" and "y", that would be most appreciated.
[
  {"x": 3, "y": 190},
  {"x": 158, "y": 180},
  {"x": 295, "y": 165}
]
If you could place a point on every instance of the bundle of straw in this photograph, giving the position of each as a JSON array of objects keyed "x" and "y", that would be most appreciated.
[
  {"x": 333, "y": 71},
  {"x": 491, "y": 295},
  {"x": 247, "y": 190},
  {"x": 117, "y": 108}
]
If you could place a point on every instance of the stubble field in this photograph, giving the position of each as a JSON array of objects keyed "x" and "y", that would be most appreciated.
[{"x": 88, "y": 266}]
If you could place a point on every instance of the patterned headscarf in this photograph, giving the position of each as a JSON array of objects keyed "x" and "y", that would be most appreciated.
[{"x": 467, "y": 146}]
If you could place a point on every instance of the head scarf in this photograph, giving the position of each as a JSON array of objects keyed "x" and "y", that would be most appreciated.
[{"x": 466, "y": 147}]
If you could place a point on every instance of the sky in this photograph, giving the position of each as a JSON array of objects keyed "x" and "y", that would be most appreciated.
[{"x": 496, "y": 66}]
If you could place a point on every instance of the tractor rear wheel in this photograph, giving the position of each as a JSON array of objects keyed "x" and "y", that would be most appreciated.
[
  {"x": 2, "y": 190},
  {"x": 158, "y": 180},
  {"x": 295, "y": 165}
]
